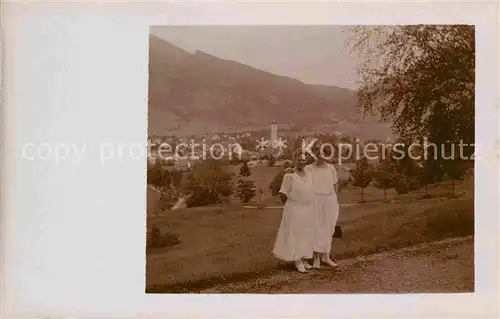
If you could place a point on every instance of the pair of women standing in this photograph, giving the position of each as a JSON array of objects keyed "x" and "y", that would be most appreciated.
[{"x": 309, "y": 215}]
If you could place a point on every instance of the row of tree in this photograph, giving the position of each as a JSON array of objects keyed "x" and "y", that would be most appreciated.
[{"x": 405, "y": 176}]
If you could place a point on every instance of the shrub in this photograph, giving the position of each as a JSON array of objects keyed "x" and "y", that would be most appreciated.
[
  {"x": 155, "y": 239},
  {"x": 208, "y": 183},
  {"x": 246, "y": 190},
  {"x": 404, "y": 184},
  {"x": 245, "y": 170}
]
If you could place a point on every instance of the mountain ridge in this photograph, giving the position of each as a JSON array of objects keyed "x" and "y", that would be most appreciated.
[{"x": 197, "y": 93}]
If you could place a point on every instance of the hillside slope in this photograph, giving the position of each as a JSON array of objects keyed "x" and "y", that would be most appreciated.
[{"x": 199, "y": 93}]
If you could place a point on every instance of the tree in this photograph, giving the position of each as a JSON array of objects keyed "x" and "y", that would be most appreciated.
[
  {"x": 405, "y": 162},
  {"x": 208, "y": 182},
  {"x": 245, "y": 170},
  {"x": 455, "y": 169},
  {"x": 362, "y": 175},
  {"x": 384, "y": 175},
  {"x": 156, "y": 176},
  {"x": 420, "y": 77},
  {"x": 427, "y": 174},
  {"x": 403, "y": 184},
  {"x": 245, "y": 190},
  {"x": 176, "y": 177}
]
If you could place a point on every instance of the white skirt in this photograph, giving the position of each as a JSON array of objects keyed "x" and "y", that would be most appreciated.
[
  {"x": 294, "y": 240},
  {"x": 326, "y": 213}
]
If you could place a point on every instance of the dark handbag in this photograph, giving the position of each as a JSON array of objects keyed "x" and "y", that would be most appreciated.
[{"x": 338, "y": 232}]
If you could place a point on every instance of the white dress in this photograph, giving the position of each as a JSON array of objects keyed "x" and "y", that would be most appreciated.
[
  {"x": 294, "y": 240},
  {"x": 326, "y": 206}
]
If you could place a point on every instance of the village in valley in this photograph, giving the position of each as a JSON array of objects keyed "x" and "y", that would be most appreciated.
[{"x": 256, "y": 147}]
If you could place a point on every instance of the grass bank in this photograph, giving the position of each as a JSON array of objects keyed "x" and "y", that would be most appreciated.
[{"x": 228, "y": 244}]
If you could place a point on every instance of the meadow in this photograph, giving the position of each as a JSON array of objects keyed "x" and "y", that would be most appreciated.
[{"x": 228, "y": 243}]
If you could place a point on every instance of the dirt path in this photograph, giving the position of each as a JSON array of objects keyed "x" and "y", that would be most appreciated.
[
  {"x": 281, "y": 206},
  {"x": 444, "y": 266}
]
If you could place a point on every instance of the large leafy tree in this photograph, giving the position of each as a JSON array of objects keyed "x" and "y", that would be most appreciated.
[{"x": 420, "y": 77}]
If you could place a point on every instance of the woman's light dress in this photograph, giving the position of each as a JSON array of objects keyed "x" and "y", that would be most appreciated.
[
  {"x": 326, "y": 206},
  {"x": 294, "y": 240}
]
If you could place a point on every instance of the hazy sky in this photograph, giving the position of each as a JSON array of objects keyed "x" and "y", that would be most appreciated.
[{"x": 312, "y": 54}]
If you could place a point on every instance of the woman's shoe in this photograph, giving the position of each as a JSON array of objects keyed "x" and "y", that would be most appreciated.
[
  {"x": 326, "y": 259},
  {"x": 307, "y": 266},
  {"x": 300, "y": 267},
  {"x": 316, "y": 263}
]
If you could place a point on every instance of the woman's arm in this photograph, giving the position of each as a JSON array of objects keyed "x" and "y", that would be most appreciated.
[
  {"x": 283, "y": 198},
  {"x": 336, "y": 181},
  {"x": 286, "y": 187}
]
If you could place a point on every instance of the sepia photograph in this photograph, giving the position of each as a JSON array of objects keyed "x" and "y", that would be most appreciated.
[
  {"x": 311, "y": 159},
  {"x": 235, "y": 159}
]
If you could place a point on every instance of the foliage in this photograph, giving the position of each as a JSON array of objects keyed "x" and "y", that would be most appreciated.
[
  {"x": 169, "y": 195},
  {"x": 455, "y": 170},
  {"x": 404, "y": 160},
  {"x": 155, "y": 175},
  {"x": 420, "y": 77},
  {"x": 429, "y": 173},
  {"x": 245, "y": 170},
  {"x": 403, "y": 184},
  {"x": 209, "y": 182},
  {"x": 235, "y": 160},
  {"x": 156, "y": 239},
  {"x": 362, "y": 175},
  {"x": 160, "y": 177},
  {"x": 245, "y": 190},
  {"x": 247, "y": 143},
  {"x": 385, "y": 175}
]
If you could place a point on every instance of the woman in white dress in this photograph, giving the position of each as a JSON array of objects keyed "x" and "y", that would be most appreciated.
[
  {"x": 294, "y": 241},
  {"x": 326, "y": 208}
]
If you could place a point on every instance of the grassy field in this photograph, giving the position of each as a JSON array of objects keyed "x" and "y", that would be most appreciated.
[{"x": 230, "y": 243}]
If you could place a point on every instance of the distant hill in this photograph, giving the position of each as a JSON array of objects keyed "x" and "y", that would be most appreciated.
[{"x": 200, "y": 93}]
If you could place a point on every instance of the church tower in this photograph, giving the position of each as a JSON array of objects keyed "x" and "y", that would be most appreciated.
[{"x": 274, "y": 134}]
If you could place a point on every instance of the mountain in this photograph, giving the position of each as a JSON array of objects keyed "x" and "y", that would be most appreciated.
[{"x": 197, "y": 93}]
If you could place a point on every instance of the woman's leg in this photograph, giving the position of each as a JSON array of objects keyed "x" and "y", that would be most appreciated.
[
  {"x": 316, "y": 260},
  {"x": 300, "y": 266},
  {"x": 331, "y": 210},
  {"x": 327, "y": 260}
]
